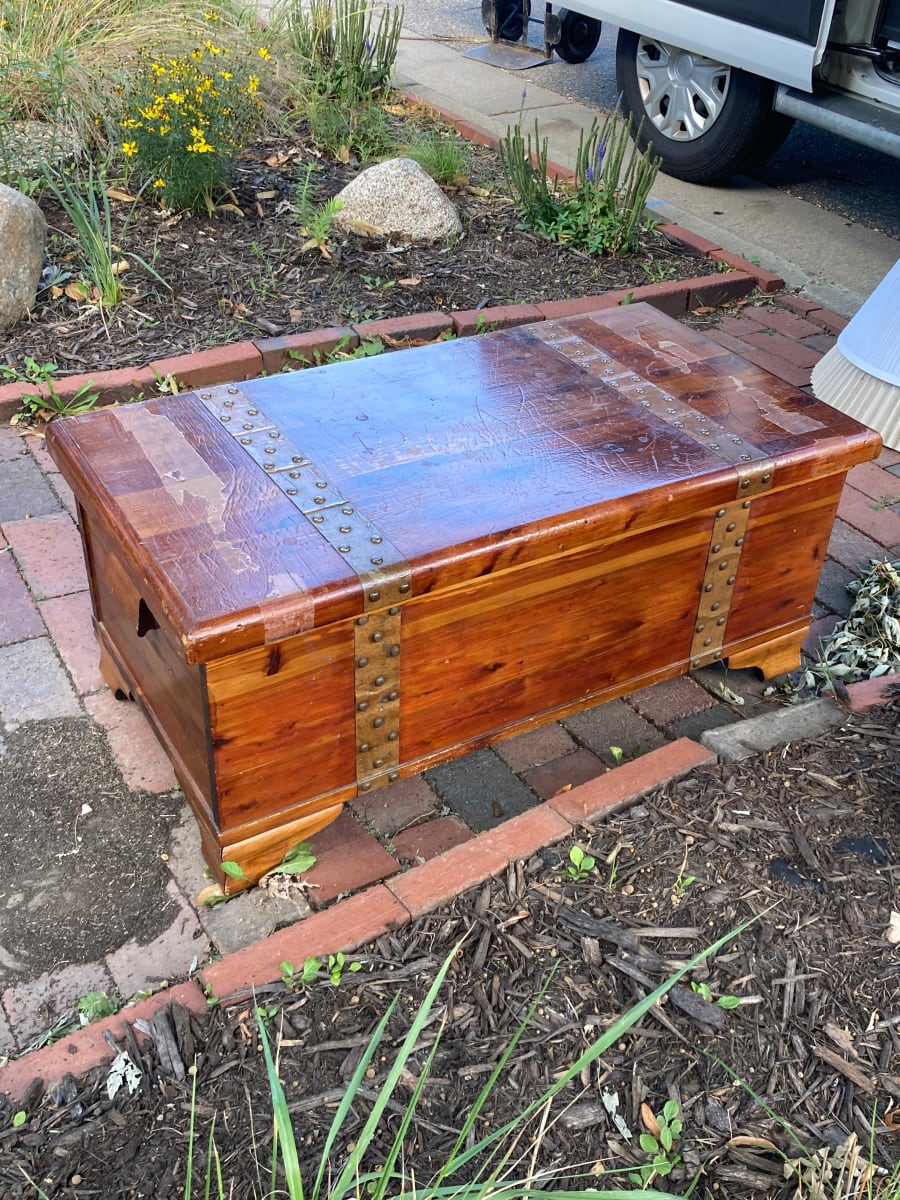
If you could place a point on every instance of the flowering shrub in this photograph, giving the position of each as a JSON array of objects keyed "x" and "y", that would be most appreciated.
[{"x": 186, "y": 121}]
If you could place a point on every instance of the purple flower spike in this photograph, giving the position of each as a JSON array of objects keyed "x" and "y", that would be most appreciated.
[
  {"x": 524, "y": 93},
  {"x": 601, "y": 150},
  {"x": 368, "y": 48},
  {"x": 589, "y": 173}
]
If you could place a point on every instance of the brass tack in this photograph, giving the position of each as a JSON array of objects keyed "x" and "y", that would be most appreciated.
[
  {"x": 393, "y": 735},
  {"x": 362, "y": 662},
  {"x": 247, "y": 425},
  {"x": 730, "y": 580},
  {"x": 672, "y": 411},
  {"x": 292, "y": 491},
  {"x": 707, "y": 587},
  {"x": 707, "y": 641},
  {"x": 362, "y": 706},
  {"x": 678, "y": 424},
  {"x": 394, "y": 776},
  {"x": 362, "y": 620},
  {"x": 745, "y": 483},
  {"x": 378, "y": 722},
  {"x": 714, "y": 445},
  {"x": 704, "y": 431},
  {"x": 318, "y": 519},
  {"x": 232, "y": 391},
  {"x": 645, "y": 404},
  {"x": 394, "y": 651},
  {"x": 393, "y": 610},
  {"x": 252, "y": 412},
  {"x": 294, "y": 474},
  {"x": 374, "y": 595},
  {"x": 746, "y": 457},
  {"x": 346, "y": 529},
  {"x": 720, "y": 621},
  {"x": 738, "y": 441},
  {"x": 274, "y": 433},
  {"x": 376, "y": 541},
  {"x": 297, "y": 458},
  {"x": 365, "y": 787},
  {"x": 376, "y": 561},
  {"x": 378, "y": 680},
  {"x": 224, "y": 417},
  {"x": 246, "y": 441},
  {"x": 699, "y": 627},
  {"x": 766, "y": 477},
  {"x": 715, "y": 606},
  {"x": 321, "y": 483},
  {"x": 730, "y": 527},
  {"x": 364, "y": 747},
  {"x": 379, "y": 762},
  {"x": 268, "y": 466},
  {"x": 318, "y": 499},
  {"x": 746, "y": 504},
  {"x": 404, "y": 587},
  {"x": 270, "y": 449},
  {"x": 393, "y": 695},
  {"x": 739, "y": 541},
  {"x": 378, "y": 636},
  {"x": 723, "y": 565},
  {"x": 695, "y": 662},
  {"x": 718, "y": 654},
  {"x": 717, "y": 547},
  {"x": 344, "y": 549},
  {"x": 721, "y": 512},
  {"x": 207, "y": 396},
  {"x": 348, "y": 512}
]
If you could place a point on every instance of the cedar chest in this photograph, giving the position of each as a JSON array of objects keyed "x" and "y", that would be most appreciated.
[{"x": 321, "y": 582}]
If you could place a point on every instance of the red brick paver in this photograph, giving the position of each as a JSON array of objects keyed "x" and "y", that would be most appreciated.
[
  {"x": 344, "y": 926},
  {"x": 561, "y": 774},
  {"x": 19, "y": 618},
  {"x": 69, "y": 620},
  {"x": 138, "y": 754},
  {"x": 671, "y": 700},
  {"x": 535, "y": 747},
  {"x": 876, "y": 521},
  {"x": 348, "y": 858},
  {"x": 392, "y": 808},
  {"x": 48, "y": 550},
  {"x": 430, "y": 839}
]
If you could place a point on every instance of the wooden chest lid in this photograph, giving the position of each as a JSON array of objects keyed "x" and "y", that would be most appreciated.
[{"x": 257, "y": 511}]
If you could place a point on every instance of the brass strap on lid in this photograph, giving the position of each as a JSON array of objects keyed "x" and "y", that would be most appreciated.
[{"x": 384, "y": 575}]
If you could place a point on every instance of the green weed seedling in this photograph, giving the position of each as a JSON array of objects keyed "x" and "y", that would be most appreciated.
[
  {"x": 293, "y": 979},
  {"x": 704, "y": 991},
  {"x": 42, "y": 375},
  {"x": 580, "y": 863},
  {"x": 618, "y": 755},
  {"x": 336, "y": 964},
  {"x": 661, "y": 1150},
  {"x": 19, "y": 1118},
  {"x": 94, "y": 1006}
]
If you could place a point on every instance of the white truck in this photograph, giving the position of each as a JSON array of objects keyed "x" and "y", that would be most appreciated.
[{"x": 719, "y": 83}]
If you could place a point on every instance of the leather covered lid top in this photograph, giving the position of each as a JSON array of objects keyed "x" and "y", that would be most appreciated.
[{"x": 258, "y": 511}]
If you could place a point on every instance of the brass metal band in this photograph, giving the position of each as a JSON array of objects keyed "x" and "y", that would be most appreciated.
[
  {"x": 699, "y": 427},
  {"x": 385, "y": 576},
  {"x": 755, "y": 475}
]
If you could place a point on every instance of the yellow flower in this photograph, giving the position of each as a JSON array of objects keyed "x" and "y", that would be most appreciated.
[
  {"x": 252, "y": 84},
  {"x": 225, "y": 74},
  {"x": 176, "y": 97},
  {"x": 129, "y": 149},
  {"x": 158, "y": 183},
  {"x": 263, "y": 52},
  {"x": 196, "y": 55},
  {"x": 210, "y": 16},
  {"x": 212, "y": 49}
]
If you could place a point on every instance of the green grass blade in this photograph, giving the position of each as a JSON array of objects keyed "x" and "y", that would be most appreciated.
[
  {"x": 282, "y": 1118},
  {"x": 351, "y": 1169},
  {"x": 189, "y": 1168},
  {"x": 350, "y": 1095},
  {"x": 615, "y": 1032}
]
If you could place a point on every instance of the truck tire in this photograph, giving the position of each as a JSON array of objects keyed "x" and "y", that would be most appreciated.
[
  {"x": 579, "y": 37},
  {"x": 704, "y": 119}
]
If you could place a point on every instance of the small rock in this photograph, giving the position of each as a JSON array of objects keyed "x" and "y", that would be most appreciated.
[
  {"x": 397, "y": 197},
  {"x": 23, "y": 232}
]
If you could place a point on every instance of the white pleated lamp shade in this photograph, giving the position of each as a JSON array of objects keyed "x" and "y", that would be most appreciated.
[{"x": 860, "y": 376}]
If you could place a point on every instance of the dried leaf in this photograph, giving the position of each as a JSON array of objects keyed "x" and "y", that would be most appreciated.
[
  {"x": 892, "y": 933},
  {"x": 118, "y": 268},
  {"x": 757, "y": 1143},
  {"x": 344, "y": 155},
  {"x": 412, "y": 281},
  {"x": 76, "y": 292},
  {"x": 650, "y": 1122},
  {"x": 269, "y": 195},
  {"x": 115, "y": 193},
  {"x": 704, "y": 308},
  {"x": 277, "y": 160}
]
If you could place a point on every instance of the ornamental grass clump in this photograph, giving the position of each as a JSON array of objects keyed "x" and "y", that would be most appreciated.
[
  {"x": 187, "y": 119},
  {"x": 602, "y": 212}
]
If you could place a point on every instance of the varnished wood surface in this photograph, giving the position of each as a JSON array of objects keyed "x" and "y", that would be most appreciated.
[{"x": 470, "y": 456}]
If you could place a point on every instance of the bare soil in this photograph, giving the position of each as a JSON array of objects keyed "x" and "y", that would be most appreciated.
[
  {"x": 805, "y": 839},
  {"x": 243, "y": 273}
]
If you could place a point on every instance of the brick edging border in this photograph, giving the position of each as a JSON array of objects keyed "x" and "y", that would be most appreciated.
[{"x": 369, "y": 914}]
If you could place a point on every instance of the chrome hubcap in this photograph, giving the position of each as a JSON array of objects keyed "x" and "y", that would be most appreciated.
[{"x": 683, "y": 93}]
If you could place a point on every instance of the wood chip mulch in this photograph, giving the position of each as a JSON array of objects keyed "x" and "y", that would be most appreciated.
[{"x": 807, "y": 836}]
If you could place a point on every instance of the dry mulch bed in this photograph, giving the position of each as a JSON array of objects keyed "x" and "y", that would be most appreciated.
[
  {"x": 812, "y": 830},
  {"x": 242, "y": 273}
]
